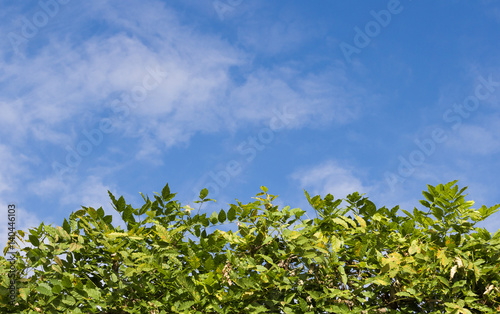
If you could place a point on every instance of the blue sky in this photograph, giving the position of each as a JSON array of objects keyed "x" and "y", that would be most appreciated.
[{"x": 379, "y": 97}]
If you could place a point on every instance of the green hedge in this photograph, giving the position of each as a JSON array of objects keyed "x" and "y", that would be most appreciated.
[{"x": 353, "y": 259}]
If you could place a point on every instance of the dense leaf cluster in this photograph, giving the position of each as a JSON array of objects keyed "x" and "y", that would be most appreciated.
[{"x": 353, "y": 259}]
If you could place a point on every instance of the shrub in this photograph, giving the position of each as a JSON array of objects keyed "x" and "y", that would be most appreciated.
[{"x": 353, "y": 259}]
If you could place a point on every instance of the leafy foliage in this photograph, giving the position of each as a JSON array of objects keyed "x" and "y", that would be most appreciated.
[{"x": 356, "y": 259}]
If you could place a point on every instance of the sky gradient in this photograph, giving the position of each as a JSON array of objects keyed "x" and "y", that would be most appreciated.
[{"x": 379, "y": 97}]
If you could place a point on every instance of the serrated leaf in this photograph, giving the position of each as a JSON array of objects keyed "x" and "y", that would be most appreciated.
[
  {"x": 127, "y": 214},
  {"x": 165, "y": 192},
  {"x": 120, "y": 204},
  {"x": 308, "y": 197}
]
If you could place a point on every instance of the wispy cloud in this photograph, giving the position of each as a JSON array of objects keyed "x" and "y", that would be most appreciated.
[{"x": 330, "y": 178}]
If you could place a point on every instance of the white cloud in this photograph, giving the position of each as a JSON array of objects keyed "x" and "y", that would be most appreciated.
[
  {"x": 474, "y": 139},
  {"x": 67, "y": 82},
  {"x": 74, "y": 192},
  {"x": 314, "y": 99},
  {"x": 330, "y": 178},
  {"x": 12, "y": 168},
  {"x": 24, "y": 220}
]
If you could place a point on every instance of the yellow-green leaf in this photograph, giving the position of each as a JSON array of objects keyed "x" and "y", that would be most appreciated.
[
  {"x": 361, "y": 221},
  {"x": 58, "y": 261}
]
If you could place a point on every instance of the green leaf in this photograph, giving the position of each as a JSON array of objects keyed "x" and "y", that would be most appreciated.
[
  {"x": 66, "y": 226},
  {"x": 308, "y": 197},
  {"x": 34, "y": 240},
  {"x": 267, "y": 240},
  {"x": 214, "y": 218},
  {"x": 120, "y": 204},
  {"x": 496, "y": 235},
  {"x": 432, "y": 190},
  {"x": 56, "y": 289},
  {"x": 340, "y": 222},
  {"x": 264, "y": 189},
  {"x": 127, "y": 214},
  {"x": 203, "y": 193},
  {"x": 44, "y": 288},
  {"x": 65, "y": 281},
  {"x": 425, "y": 203},
  {"x": 75, "y": 246},
  {"x": 408, "y": 213},
  {"x": 100, "y": 212},
  {"x": 493, "y": 209},
  {"x": 24, "y": 292},
  {"x": 58, "y": 261},
  {"x": 165, "y": 193},
  {"x": 443, "y": 280},
  {"x": 112, "y": 197},
  {"x": 145, "y": 207},
  {"x": 93, "y": 293},
  {"x": 107, "y": 219},
  {"x": 297, "y": 212},
  {"x": 69, "y": 300},
  {"x": 231, "y": 214},
  {"x": 437, "y": 212},
  {"x": 222, "y": 216},
  {"x": 428, "y": 196},
  {"x": 342, "y": 274},
  {"x": 383, "y": 281},
  {"x": 73, "y": 223}
]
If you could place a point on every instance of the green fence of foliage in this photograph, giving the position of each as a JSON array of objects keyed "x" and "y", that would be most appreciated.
[{"x": 352, "y": 259}]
